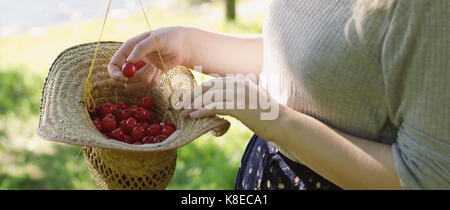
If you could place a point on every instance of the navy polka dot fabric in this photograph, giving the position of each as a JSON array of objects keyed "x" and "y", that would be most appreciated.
[{"x": 263, "y": 167}]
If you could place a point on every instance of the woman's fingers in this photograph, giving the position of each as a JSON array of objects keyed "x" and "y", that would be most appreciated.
[
  {"x": 116, "y": 73},
  {"x": 144, "y": 79},
  {"x": 120, "y": 58},
  {"x": 143, "y": 48},
  {"x": 155, "y": 78},
  {"x": 207, "y": 98},
  {"x": 200, "y": 90},
  {"x": 234, "y": 96},
  {"x": 116, "y": 63},
  {"x": 143, "y": 73},
  {"x": 211, "y": 110}
]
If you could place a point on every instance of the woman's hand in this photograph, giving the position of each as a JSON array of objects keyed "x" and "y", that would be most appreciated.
[
  {"x": 217, "y": 53},
  {"x": 172, "y": 45},
  {"x": 238, "y": 97}
]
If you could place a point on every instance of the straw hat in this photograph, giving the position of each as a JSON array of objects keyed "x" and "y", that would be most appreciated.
[
  {"x": 113, "y": 164},
  {"x": 64, "y": 118}
]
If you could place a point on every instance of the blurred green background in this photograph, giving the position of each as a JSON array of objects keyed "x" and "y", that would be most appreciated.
[{"x": 26, "y": 53}]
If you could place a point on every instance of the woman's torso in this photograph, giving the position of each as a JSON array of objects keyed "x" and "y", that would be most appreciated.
[
  {"x": 391, "y": 86},
  {"x": 310, "y": 66}
]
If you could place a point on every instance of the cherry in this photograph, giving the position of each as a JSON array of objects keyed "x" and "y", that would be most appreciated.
[
  {"x": 123, "y": 114},
  {"x": 108, "y": 124},
  {"x": 152, "y": 120},
  {"x": 95, "y": 113},
  {"x": 111, "y": 116},
  {"x": 147, "y": 103},
  {"x": 149, "y": 140},
  {"x": 127, "y": 139},
  {"x": 123, "y": 125},
  {"x": 121, "y": 105},
  {"x": 140, "y": 64},
  {"x": 117, "y": 134},
  {"x": 142, "y": 115},
  {"x": 97, "y": 125},
  {"x": 160, "y": 138},
  {"x": 128, "y": 69},
  {"x": 169, "y": 124},
  {"x": 167, "y": 130},
  {"x": 154, "y": 129},
  {"x": 145, "y": 125},
  {"x": 107, "y": 108},
  {"x": 130, "y": 124},
  {"x": 132, "y": 109},
  {"x": 138, "y": 133}
]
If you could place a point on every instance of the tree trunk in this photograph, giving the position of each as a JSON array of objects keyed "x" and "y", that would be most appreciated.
[{"x": 231, "y": 10}]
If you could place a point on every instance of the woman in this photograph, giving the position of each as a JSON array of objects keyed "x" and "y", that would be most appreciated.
[{"x": 362, "y": 86}]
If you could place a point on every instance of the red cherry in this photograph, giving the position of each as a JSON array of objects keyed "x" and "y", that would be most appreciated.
[
  {"x": 128, "y": 70},
  {"x": 149, "y": 140},
  {"x": 111, "y": 116},
  {"x": 152, "y": 120},
  {"x": 154, "y": 129},
  {"x": 121, "y": 105},
  {"x": 167, "y": 130},
  {"x": 130, "y": 124},
  {"x": 132, "y": 109},
  {"x": 147, "y": 103},
  {"x": 169, "y": 124},
  {"x": 107, "y": 108},
  {"x": 145, "y": 125},
  {"x": 138, "y": 133},
  {"x": 140, "y": 64},
  {"x": 108, "y": 124},
  {"x": 142, "y": 115},
  {"x": 95, "y": 113},
  {"x": 127, "y": 139},
  {"x": 117, "y": 134},
  {"x": 123, "y": 125},
  {"x": 97, "y": 125},
  {"x": 124, "y": 114},
  {"x": 160, "y": 138}
]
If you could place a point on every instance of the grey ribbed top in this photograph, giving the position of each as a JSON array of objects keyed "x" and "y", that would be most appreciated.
[{"x": 393, "y": 86}]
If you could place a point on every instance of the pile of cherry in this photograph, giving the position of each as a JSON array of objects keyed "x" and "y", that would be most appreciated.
[{"x": 131, "y": 124}]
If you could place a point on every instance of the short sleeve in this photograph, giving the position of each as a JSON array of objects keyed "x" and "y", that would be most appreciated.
[{"x": 415, "y": 61}]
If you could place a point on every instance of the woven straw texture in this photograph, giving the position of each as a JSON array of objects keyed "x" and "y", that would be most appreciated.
[
  {"x": 113, "y": 164},
  {"x": 124, "y": 170}
]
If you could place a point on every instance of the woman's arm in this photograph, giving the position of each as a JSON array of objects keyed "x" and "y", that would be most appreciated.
[
  {"x": 217, "y": 53},
  {"x": 222, "y": 54},
  {"x": 347, "y": 161}
]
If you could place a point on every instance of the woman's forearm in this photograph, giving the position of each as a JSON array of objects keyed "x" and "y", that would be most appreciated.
[
  {"x": 347, "y": 161},
  {"x": 223, "y": 54}
]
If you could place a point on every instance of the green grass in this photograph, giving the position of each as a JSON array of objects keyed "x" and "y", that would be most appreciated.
[
  {"x": 29, "y": 162},
  {"x": 20, "y": 92}
]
